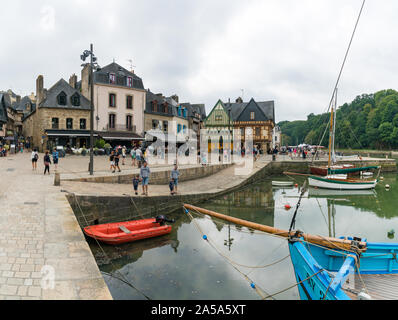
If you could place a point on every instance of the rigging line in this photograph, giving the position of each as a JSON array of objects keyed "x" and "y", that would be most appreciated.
[
  {"x": 105, "y": 255},
  {"x": 293, "y": 223},
  {"x": 323, "y": 214},
  {"x": 345, "y": 58},
  {"x": 126, "y": 282},
  {"x": 295, "y": 285},
  {"x": 258, "y": 289}
]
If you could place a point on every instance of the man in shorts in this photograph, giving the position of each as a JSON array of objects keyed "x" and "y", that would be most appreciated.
[{"x": 144, "y": 174}]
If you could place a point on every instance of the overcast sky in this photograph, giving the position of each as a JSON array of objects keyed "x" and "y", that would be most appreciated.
[{"x": 289, "y": 51}]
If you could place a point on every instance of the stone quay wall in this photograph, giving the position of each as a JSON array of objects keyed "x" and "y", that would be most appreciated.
[
  {"x": 158, "y": 177},
  {"x": 90, "y": 210}
]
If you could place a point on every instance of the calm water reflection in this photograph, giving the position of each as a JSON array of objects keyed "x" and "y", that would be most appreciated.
[{"x": 183, "y": 266}]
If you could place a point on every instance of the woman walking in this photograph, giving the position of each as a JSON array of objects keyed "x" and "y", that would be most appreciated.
[
  {"x": 47, "y": 162},
  {"x": 34, "y": 157}
]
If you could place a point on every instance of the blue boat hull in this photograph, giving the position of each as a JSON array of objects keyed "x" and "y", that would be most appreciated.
[{"x": 313, "y": 265}]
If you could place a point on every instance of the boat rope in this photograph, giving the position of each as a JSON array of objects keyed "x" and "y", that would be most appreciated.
[
  {"x": 126, "y": 282},
  {"x": 107, "y": 257},
  {"x": 257, "y": 288},
  {"x": 293, "y": 223},
  {"x": 323, "y": 214},
  {"x": 295, "y": 285},
  {"x": 341, "y": 70}
]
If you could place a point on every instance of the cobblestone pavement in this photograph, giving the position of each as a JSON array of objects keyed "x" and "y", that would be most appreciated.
[{"x": 43, "y": 253}]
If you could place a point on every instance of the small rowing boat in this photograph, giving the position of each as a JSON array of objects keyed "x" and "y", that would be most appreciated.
[
  {"x": 282, "y": 183},
  {"x": 124, "y": 232}
]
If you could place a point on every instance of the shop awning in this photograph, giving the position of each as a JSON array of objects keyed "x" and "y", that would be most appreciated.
[
  {"x": 69, "y": 133},
  {"x": 124, "y": 136}
]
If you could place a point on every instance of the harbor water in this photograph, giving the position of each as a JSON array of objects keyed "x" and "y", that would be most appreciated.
[{"x": 182, "y": 265}]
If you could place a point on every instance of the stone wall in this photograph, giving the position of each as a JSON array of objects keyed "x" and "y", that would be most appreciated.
[
  {"x": 158, "y": 178},
  {"x": 90, "y": 210}
]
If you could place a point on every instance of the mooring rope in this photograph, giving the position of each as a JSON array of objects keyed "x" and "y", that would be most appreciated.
[{"x": 125, "y": 280}]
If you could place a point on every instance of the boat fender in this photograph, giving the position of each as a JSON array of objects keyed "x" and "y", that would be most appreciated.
[
  {"x": 296, "y": 185},
  {"x": 253, "y": 285},
  {"x": 205, "y": 237},
  {"x": 364, "y": 296},
  {"x": 387, "y": 186},
  {"x": 288, "y": 207}
]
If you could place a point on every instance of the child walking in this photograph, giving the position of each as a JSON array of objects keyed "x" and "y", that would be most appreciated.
[
  {"x": 136, "y": 182},
  {"x": 47, "y": 162}
]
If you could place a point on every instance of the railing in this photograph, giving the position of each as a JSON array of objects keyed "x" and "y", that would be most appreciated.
[{"x": 122, "y": 128}]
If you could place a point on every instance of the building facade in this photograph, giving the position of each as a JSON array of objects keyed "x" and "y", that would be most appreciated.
[
  {"x": 119, "y": 103},
  {"x": 164, "y": 114},
  {"x": 230, "y": 121},
  {"x": 3, "y": 116},
  {"x": 61, "y": 117}
]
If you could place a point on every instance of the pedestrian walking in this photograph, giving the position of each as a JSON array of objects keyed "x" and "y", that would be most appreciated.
[
  {"x": 175, "y": 174},
  {"x": 136, "y": 182},
  {"x": 171, "y": 187},
  {"x": 144, "y": 175},
  {"x": 123, "y": 155},
  {"x": 112, "y": 161},
  {"x": 34, "y": 158},
  {"x": 47, "y": 162},
  {"x": 132, "y": 153},
  {"x": 138, "y": 154},
  {"x": 117, "y": 158},
  {"x": 55, "y": 158}
]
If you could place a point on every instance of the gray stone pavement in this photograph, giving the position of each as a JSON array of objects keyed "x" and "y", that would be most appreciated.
[{"x": 43, "y": 253}]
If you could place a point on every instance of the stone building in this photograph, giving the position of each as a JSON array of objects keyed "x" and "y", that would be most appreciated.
[
  {"x": 196, "y": 116},
  {"x": 230, "y": 121},
  {"x": 119, "y": 103},
  {"x": 61, "y": 117},
  {"x": 166, "y": 115},
  {"x": 3, "y": 116},
  {"x": 277, "y": 138}
]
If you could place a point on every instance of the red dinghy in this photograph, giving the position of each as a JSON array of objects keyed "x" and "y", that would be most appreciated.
[{"x": 123, "y": 232}]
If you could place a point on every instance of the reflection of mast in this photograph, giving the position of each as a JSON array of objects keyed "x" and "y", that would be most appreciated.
[
  {"x": 331, "y": 218},
  {"x": 229, "y": 241}
]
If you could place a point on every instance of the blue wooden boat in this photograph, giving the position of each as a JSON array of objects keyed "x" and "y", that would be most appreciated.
[
  {"x": 333, "y": 274},
  {"x": 329, "y": 268}
]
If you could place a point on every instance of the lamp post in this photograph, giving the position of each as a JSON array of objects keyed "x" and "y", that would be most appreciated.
[{"x": 93, "y": 64}]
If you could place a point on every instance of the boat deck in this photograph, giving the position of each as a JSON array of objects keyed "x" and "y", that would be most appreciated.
[{"x": 378, "y": 286}]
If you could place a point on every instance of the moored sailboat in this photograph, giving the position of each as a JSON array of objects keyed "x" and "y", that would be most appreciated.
[{"x": 339, "y": 177}]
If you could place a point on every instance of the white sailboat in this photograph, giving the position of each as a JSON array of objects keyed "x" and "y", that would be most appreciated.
[{"x": 337, "y": 178}]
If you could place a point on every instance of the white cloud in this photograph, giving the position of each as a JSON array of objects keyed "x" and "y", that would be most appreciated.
[{"x": 284, "y": 50}]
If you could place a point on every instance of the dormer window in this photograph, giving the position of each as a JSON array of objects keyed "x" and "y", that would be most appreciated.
[
  {"x": 130, "y": 82},
  {"x": 62, "y": 99},
  {"x": 75, "y": 99},
  {"x": 112, "y": 78}
]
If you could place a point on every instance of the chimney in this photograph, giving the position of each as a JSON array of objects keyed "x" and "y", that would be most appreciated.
[
  {"x": 86, "y": 88},
  {"x": 239, "y": 100},
  {"x": 175, "y": 98},
  {"x": 73, "y": 81},
  {"x": 39, "y": 89}
]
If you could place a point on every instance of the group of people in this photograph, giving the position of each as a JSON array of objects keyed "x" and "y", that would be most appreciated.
[
  {"x": 46, "y": 159},
  {"x": 144, "y": 176}
]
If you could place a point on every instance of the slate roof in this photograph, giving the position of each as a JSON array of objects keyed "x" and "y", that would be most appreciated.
[
  {"x": 22, "y": 105},
  {"x": 51, "y": 100},
  {"x": 4, "y": 103},
  {"x": 150, "y": 96},
  {"x": 195, "y": 108},
  {"x": 268, "y": 108},
  {"x": 102, "y": 76}
]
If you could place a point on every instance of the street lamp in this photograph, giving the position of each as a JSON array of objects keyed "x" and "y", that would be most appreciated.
[{"x": 93, "y": 64}]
